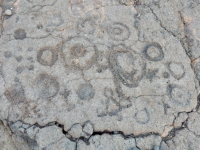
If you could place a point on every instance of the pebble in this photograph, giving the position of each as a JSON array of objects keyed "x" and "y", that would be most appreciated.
[
  {"x": 76, "y": 131},
  {"x": 88, "y": 128},
  {"x": 8, "y": 12}
]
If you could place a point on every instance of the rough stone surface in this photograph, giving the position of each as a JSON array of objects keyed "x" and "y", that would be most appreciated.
[
  {"x": 100, "y": 74},
  {"x": 183, "y": 140},
  {"x": 180, "y": 119},
  {"x": 48, "y": 135},
  {"x": 193, "y": 123},
  {"x": 107, "y": 142},
  {"x": 76, "y": 131},
  {"x": 88, "y": 128},
  {"x": 6, "y": 142},
  {"x": 150, "y": 142},
  {"x": 8, "y": 12},
  {"x": 63, "y": 144}
]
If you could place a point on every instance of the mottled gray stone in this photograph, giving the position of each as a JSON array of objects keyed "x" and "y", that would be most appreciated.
[
  {"x": 107, "y": 63},
  {"x": 88, "y": 128},
  {"x": 8, "y": 12},
  {"x": 107, "y": 142},
  {"x": 48, "y": 135},
  {"x": 14, "y": 127},
  {"x": 88, "y": 66},
  {"x": 193, "y": 123},
  {"x": 76, "y": 131},
  {"x": 25, "y": 126},
  {"x": 6, "y": 142},
  {"x": 180, "y": 119},
  {"x": 62, "y": 144},
  {"x": 149, "y": 142},
  {"x": 31, "y": 132},
  {"x": 184, "y": 140}
]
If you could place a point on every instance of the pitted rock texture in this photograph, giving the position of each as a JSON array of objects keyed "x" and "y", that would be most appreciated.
[{"x": 96, "y": 74}]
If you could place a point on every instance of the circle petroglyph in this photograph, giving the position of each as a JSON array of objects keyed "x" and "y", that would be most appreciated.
[
  {"x": 178, "y": 95},
  {"x": 47, "y": 56},
  {"x": 154, "y": 52},
  {"x": 142, "y": 116},
  {"x": 79, "y": 53},
  {"x": 47, "y": 86},
  {"x": 118, "y": 31},
  {"x": 15, "y": 95},
  {"x": 177, "y": 70},
  {"x": 85, "y": 92},
  {"x": 127, "y": 66}
]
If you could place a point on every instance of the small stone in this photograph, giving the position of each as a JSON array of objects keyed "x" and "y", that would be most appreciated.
[
  {"x": 166, "y": 131},
  {"x": 32, "y": 131},
  {"x": 52, "y": 123},
  {"x": 25, "y": 126},
  {"x": 15, "y": 126},
  {"x": 63, "y": 144},
  {"x": 76, "y": 131},
  {"x": 88, "y": 128},
  {"x": 48, "y": 135},
  {"x": 193, "y": 123},
  {"x": 8, "y": 12},
  {"x": 180, "y": 119},
  {"x": 148, "y": 142}
]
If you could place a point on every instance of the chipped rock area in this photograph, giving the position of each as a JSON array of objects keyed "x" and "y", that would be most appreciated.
[{"x": 99, "y": 74}]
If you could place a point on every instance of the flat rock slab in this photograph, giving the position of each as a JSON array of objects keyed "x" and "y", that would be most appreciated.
[{"x": 96, "y": 66}]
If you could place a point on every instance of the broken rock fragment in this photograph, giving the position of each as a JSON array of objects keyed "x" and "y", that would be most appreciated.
[{"x": 48, "y": 135}]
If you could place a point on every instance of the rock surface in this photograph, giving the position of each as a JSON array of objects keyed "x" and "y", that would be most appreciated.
[{"x": 99, "y": 74}]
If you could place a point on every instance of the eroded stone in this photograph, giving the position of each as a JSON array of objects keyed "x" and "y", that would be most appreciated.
[{"x": 48, "y": 135}]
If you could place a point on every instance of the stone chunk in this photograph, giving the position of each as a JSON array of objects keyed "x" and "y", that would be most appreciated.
[
  {"x": 63, "y": 144},
  {"x": 32, "y": 131},
  {"x": 25, "y": 126},
  {"x": 14, "y": 127},
  {"x": 6, "y": 142},
  {"x": 88, "y": 128},
  {"x": 180, "y": 119},
  {"x": 48, "y": 135},
  {"x": 194, "y": 122},
  {"x": 183, "y": 140},
  {"x": 148, "y": 142},
  {"x": 8, "y": 12},
  {"x": 76, "y": 131},
  {"x": 108, "y": 142}
]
